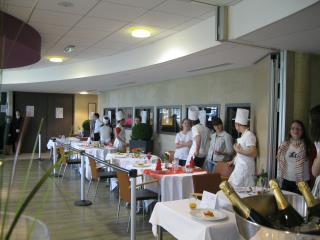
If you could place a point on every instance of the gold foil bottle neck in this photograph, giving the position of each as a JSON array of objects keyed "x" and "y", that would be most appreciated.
[
  {"x": 306, "y": 192},
  {"x": 280, "y": 199},
  {"x": 234, "y": 199}
]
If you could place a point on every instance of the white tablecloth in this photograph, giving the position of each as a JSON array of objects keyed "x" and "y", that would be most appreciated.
[
  {"x": 174, "y": 216},
  {"x": 174, "y": 187},
  {"x": 101, "y": 153},
  {"x": 128, "y": 162}
]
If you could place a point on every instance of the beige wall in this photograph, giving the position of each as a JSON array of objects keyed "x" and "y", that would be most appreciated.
[
  {"x": 244, "y": 85},
  {"x": 81, "y": 109},
  {"x": 303, "y": 86},
  {"x": 314, "y": 80}
]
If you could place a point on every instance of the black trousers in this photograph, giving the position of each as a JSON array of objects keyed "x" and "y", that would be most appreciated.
[
  {"x": 182, "y": 162},
  {"x": 96, "y": 137},
  {"x": 290, "y": 186},
  {"x": 199, "y": 161}
]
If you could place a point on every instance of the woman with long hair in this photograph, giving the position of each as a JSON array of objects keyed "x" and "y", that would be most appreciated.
[{"x": 294, "y": 157}]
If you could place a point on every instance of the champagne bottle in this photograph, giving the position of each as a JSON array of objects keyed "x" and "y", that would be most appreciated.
[
  {"x": 246, "y": 212},
  {"x": 288, "y": 217},
  {"x": 312, "y": 203}
]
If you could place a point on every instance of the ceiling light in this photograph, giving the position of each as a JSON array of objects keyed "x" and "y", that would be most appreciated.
[
  {"x": 83, "y": 92},
  {"x": 69, "y": 48},
  {"x": 56, "y": 59},
  {"x": 140, "y": 33}
]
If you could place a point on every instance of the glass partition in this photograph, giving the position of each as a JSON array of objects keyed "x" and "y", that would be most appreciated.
[{"x": 168, "y": 119}]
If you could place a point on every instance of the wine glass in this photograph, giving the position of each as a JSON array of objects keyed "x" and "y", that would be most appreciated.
[{"x": 175, "y": 162}]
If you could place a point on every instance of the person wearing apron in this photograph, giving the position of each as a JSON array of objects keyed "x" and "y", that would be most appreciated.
[
  {"x": 200, "y": 138},
  {"x": 243, "y": 174},
  {"x": 120, "y": 134}
]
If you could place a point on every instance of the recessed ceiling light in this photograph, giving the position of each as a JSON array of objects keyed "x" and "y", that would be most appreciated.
[
  {"x": 140, "y": 33},
  {"x": 83, "y": 92},
  {"x": 56, "y": 59},
  {"x": 65, "y": 4},
  {"x": 69, "y": 48}
]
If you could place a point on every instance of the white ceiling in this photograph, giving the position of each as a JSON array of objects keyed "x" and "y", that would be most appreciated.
[
  {"x": 96, "y": 35},
  {"x": 222, "y": 57},
  {"x": 299, "y": 32},
  {"x": 99, "y": 28}
]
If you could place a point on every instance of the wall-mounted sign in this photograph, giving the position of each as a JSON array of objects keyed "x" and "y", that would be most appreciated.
[
  {"x": 3, "y": 108},
  {"x": 59, "y": 112},
  {"x": 29, "y": 111}
]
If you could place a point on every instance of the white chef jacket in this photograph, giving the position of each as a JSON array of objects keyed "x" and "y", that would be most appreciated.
[
  {"x": 221, "y": 142},
  {"x": 97, "y": 125},
  {"x": 182, "y": 153},
  {"x": 204, "y": 133},
  {"x": 244, "y": 166},
  {"x": 105, "y": 134},
  {"x": 121, "y": 146}
]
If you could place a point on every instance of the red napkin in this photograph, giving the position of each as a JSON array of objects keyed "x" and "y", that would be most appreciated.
[
  {"x": 192, "y": 163},
  {"x": 158, "y": 167}
]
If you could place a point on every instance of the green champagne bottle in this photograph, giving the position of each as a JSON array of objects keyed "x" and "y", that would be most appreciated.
[
  {"x": 245, "y": 211},
  {"x": 288, "y": 217}
]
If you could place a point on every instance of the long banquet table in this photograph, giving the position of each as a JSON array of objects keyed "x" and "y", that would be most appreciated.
[
  {"x": 174, "y": 216},
  {"x": 172, "y": 186}
]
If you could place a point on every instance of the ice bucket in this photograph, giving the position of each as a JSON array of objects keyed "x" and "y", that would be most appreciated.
[{"x": 266, "y": 204}]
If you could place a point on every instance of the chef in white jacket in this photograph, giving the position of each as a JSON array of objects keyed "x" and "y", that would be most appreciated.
[
  {"x": 119, "y": 133},
  {"x": 246, "y": 151},
  {"x": 200, "y": 138}
]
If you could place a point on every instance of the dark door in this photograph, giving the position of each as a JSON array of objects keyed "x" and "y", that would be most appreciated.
[
  {"x": 55, "y": 124},
  {"x": 45, "y": 105}
]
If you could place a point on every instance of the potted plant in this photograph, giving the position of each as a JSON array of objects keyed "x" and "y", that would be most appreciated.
[
  {"x": 86, "y": 128},
  {"x": 141, "y": 137}
]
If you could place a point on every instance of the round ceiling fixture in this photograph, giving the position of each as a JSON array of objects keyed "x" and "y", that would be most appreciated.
[
  {"x": 140, "y": 32},
  {"x": 56, "y": 59},
  {"x": 83, "y": 92},
  {"x": 65, "y": 4},
  {"x": 69, "y": 48}
]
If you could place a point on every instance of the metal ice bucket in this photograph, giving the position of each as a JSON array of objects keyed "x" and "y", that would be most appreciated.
[{"x": 266, "y": 204}]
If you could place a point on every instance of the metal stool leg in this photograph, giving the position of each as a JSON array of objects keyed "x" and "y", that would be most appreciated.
[{"x": 118, "y": 212}]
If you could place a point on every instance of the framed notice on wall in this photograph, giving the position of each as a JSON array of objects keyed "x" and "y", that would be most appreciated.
[
  {"x": 59, "y": 112},
  {"x": 29, "y": 111},
  {"x": 92, "y": 108}
]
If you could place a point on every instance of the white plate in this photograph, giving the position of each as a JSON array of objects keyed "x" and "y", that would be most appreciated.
[
  {"x": 198, "y": 214},
  {"x": 143, "y": 165},
  {"x": 120, "y": 155}
]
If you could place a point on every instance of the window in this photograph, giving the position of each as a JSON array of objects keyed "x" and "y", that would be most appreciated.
[
  {"x": 111, "y": 113},
  {"x": 211, "y": 111},
  {"x": 230, "y": 115},
  {"x": 146, "y": 114},
  {"x": 169, "y": 119},
  {"x": 128, "y": 116}
]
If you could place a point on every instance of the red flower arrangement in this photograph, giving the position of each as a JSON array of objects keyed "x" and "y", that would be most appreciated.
[{"x": 136, "y": 150}]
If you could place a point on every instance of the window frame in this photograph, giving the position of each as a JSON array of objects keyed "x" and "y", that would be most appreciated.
[
  {"x": 231, "y": 129},
  {"x": 124, "y": 109},
  {"x": 157, "y": 120},
  {"x": 105, "y": 113},
  {"x": 203, "y": 106},
  {"x": 151, "y": 108}
]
